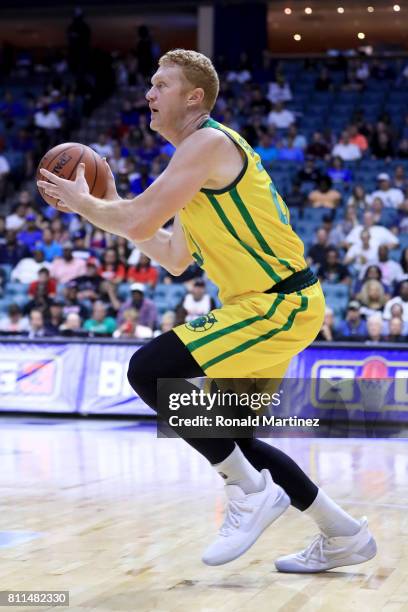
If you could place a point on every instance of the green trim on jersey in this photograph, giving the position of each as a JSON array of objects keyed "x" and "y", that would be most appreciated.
[
  {"x": 246, "y": 215},
  {"x": 264, "y": 264},
  {"x": 214, "y": 124},
  {"x": 253, "y": 341},
  {"x": 196, "y": 344}
]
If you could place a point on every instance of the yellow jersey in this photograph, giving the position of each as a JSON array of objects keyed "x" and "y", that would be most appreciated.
[{"x": 241, "y": 235}]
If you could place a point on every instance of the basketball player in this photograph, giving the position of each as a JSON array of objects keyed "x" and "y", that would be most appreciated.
[{"x": 230, "y": 219}]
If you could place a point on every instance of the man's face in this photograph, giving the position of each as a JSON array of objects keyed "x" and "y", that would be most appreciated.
[
  {"x": 167, "y": 97},
  {"x": 395, "y": 327},
  {"x": 353, "y": 315},
  {"x": 404, "y": 292}
]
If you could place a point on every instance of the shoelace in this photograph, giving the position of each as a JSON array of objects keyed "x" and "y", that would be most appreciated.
[
  {"x": 317, "y": 546},
  {"x": 235, "y": 510}
]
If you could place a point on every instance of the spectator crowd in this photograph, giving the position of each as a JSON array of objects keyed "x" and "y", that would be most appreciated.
[{"x": 346, "y": 186}]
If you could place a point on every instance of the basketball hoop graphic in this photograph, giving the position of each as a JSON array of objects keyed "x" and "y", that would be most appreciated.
[{"x": 374, "y": 383}]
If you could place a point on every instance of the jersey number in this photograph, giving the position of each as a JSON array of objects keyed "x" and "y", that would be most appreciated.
[{"x": 282, "y": 213}]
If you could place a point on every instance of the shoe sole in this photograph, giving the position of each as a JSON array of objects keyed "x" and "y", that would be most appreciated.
[
  {"x": 281, "y": 504},
  {"x": 365, "y": 554}
]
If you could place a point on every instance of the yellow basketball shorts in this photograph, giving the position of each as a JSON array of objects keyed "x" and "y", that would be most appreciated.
[{"x": 255, "y": 336}]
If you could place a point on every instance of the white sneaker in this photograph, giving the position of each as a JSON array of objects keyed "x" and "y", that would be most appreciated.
[
  {"x": 325, "y": 553},
  {"x": 246, "y": 518}
]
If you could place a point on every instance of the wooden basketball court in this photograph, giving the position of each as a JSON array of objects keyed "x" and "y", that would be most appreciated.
[{"x": 120, "y": 518}]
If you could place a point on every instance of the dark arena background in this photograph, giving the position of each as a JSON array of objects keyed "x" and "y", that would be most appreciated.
[{"x": 94, "y": 502}]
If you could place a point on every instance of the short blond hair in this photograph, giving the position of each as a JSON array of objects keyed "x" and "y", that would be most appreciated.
[{"x": 198, "y": 70}]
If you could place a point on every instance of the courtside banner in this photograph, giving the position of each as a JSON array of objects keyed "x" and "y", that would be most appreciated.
[
  {"x": 90, "y": 377},
  {"x": 67, "y": 377}
]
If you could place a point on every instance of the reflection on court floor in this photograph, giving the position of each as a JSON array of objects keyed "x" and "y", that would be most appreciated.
[{"x": 119, "y": 518}]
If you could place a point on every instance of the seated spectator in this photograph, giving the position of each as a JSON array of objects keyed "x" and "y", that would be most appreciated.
[
  {"x": 67, "y": 267},
  {"x": 338, "y": 233},
  {"x": 346, "y": 150},
  {"x": 299, "y": 141},
  {"x": 308, "y": 175},
  {"x": 279, "y": 90},
  {"x": 16, "y": 220},
  {"x": 324, "y": 82},
  {"x": 358, "y": 199},
  {"x": 80, "y": 249},
  {"x": 361, "y": 254},
  {"x": 318, "y": 251},
  {"x": 338, "y": 173},
  {"x": 395, "y": 333},
  {"x": 266, "y": 149},
  {"x": 371, "y": 272},
  {"x": 111, "y": 269},
  {"x": 288, "y": 152},
  {"x": 372, "y": 297},
  {"x": 72, "y": 302},
  {"x": 116, "y": 160},
  {"x": 46, "y": 118},
  {"x": 280, "y": 117},
  {"x": 30, "y": 234},
  {"x": 37, "y": 327},
  {"x": 324, "y": 196},
  {"x": 400, "y": 180},
  {"x": 353, "y": 327},
  {"x": 382, "y": 146},
  {"x": 100, "y": 323},
  {"x": 374, "y": 328},
  {"x": 72, "y": 326},
  {"x": 295, "y": 198},
  {"x": 130, "y": 328},
  {"x": 391, "y": 270},
  {"x": 388, "y": 218},
  {"x": 54, "y": 316},
  {"x": 13, "y": 252},
  {"x": 259, "y": 102},
  {"x": 401, "y": 298},
  {"x": 49, "y": 245},
  {"x": 89, "y": 284},
  {"x": 378, "y": 234},
  {"x": 143, "y": 272},
  {"x": 197, "y": 302},
  {"x": 396, "y": 312},
  {"x": 402, "y": 152},
  {"x": 103, "y": 147},
  {"x": 27, "y": 269},
  {"x": 318, "y": 148},
  {"x": 49, "y": 284},
  {"x": 144, "y": 306},
  {"x": 14, "y": 321},
  {"x": 390, "y": 196},
  {"x": 149, "y": 149},
  {"x": 332, "y": 271},
  {"x": 356, "y": 138},
  {"x": 327, "y": 332},
  {"x": 141, "y": 180},
  {"x": 167, "y": 323}
]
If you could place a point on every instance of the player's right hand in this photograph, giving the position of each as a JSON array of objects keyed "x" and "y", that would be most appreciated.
[{"x": 111, "y": 192}]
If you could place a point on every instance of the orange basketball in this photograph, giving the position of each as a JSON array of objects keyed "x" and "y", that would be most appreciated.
[{"x": 63, "y": 160}]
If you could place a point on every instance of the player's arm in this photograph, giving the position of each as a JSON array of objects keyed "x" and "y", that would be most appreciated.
[
  {"x": 193, "y": 164},
  {"x": 169, "y": 249}
]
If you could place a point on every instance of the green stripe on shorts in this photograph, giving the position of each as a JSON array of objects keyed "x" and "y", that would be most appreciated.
[
  {"x": 249, "y": 343},
  {"x": 195, "y": 344}
]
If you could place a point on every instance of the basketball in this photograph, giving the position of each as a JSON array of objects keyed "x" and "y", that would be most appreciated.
[{"x": 63, "y": 161}]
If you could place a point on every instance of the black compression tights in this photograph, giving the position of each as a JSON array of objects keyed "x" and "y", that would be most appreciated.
[{"x": 167, "y": 357}]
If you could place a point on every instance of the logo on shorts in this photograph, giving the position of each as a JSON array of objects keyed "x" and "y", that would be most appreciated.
[{"x": 202, "y": 324}]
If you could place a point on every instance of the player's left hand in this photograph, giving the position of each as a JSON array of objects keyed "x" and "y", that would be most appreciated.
[{"x": 67, "y": 193}]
